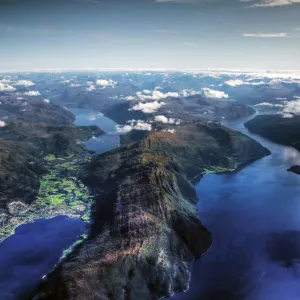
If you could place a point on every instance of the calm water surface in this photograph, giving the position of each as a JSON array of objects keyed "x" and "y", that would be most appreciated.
[
  {"x": 254, "y": 217},
  {"x": 105, "y": 142},
  {"x": 32, "y": 252}
]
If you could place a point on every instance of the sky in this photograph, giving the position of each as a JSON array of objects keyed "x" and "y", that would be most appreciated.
[{"x": 149, "y": 34}]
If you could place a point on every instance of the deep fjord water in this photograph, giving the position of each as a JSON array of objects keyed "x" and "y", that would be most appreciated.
[
  {"x": 32, "y": 252},
  {"x": 254, "y": 217},
  {"x": 253, "y": 214}
]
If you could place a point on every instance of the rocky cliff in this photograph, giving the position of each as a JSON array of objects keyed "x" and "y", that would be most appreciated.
[{"x": 145, "y": 232}]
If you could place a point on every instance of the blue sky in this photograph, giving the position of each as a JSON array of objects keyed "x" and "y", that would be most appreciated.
[{"x": 75, "y": 34}]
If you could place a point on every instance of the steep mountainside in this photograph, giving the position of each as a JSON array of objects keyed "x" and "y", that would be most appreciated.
[
  {"x": 277, "y": 129},
  {"x": 145, "y": 232}
]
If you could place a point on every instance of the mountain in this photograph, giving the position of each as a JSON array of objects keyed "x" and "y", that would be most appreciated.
[
  {"x": 187, "y": 109},
  {"x": 277, "y": 128},
  {"x": 145, "y": 232}
]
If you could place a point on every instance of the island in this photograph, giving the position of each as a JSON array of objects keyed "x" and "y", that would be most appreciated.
[
  {"x": 294, "y": 169},
  {"x": 144, "y": 230}
]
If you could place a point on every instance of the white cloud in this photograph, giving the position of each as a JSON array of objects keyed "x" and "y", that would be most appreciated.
[
  {"x": 209, "y": 93},
  {"x": 105, "y": 83},
  {"x": 292, "y": 107},
  {"x": 91, "y": 88},
  {"x": 74, "y": 85},
  {"x": 267, "y": 35},
  {"x": 4, "y": 87},
  {"x": 268, "y": 104},
  {"x": 165, "y": 120},
  {"x": 152, "y": 95},
  {"x": 134, "y": 125},
  {"x": 190, "y": 92},
  {"x": 24, "y": 83},
  {"x": 2, "y": 124},
  {"x": 4, "y": 80},
  {"x": 46, "y": 100},
  {"x": 149, "y": 107},
  {"x": 32, "y": 93},
  {"x": 235, "y": 82},
  {"x": 287, "y": 115},
  {"x": 272, "y": 3},
  {"x": 169, "y": 130}
]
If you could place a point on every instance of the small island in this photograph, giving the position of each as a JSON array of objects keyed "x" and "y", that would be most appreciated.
[{"x": 295, "y": 169}]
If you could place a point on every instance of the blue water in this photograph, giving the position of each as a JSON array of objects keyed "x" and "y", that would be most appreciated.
[
  {"x": 254, "y": 217},
  {"x": 33, "y": 251},
  {"x": 105, "y": 142}
]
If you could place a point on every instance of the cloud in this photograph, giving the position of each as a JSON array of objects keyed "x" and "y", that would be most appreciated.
[
  {"x": 4, "y": 87},
  {"x": 2, "y": 124},
  {"x": 292, "y": 107},
  {"x": 238, "y": 82},
  {"x": 148, "y": 108},
  {"x": 165, "y": 120},
  {"x": 169, "y": 130},
  {"x": 235, "y": 82},
  {"x": 268, "y": 104},
  {"x": 209, "y": 93},
  {"x": 134, "y": 125},
  {"x": 152, "y": 95},
  {"x": 273, "y": 3},
  {"x": 91, "y": 88},
  {"x": 24, "y": 83},
  {"x": 32, "y": 93},
  {"x": 190, "y": 92},
  {"x": 74, "y": 85},
  {"x": 267, "y": 35},
  {"x": 105, "y": 83},
  {"x": 4, "y": 80},
  {"x": 287, "y": 115}
]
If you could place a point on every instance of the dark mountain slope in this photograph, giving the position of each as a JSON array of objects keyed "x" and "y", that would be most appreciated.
[{"x": 145, "y": 232}]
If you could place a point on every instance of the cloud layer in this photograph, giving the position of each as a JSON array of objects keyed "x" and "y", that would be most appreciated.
[
  {"x": 134, "y": 125},
  {"x": 25, "y": 83},
  {"x": 32, "y": 93},
  {"x": 4, "y": 87},
  {"x": 165, "y": 120},
  {"x": 152, "y": 95},
  {"x": 209, "y": 93},
  {"x": 149, "y": 107}
]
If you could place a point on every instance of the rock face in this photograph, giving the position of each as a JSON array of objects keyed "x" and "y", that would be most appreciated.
[
  {"x": 295, "y": 169},
  {"x": 145, "y": 232},
  {"x": 277, "y": 129}
]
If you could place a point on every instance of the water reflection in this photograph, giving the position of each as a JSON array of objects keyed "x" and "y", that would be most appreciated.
[{"x": 253, "y": 215}]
